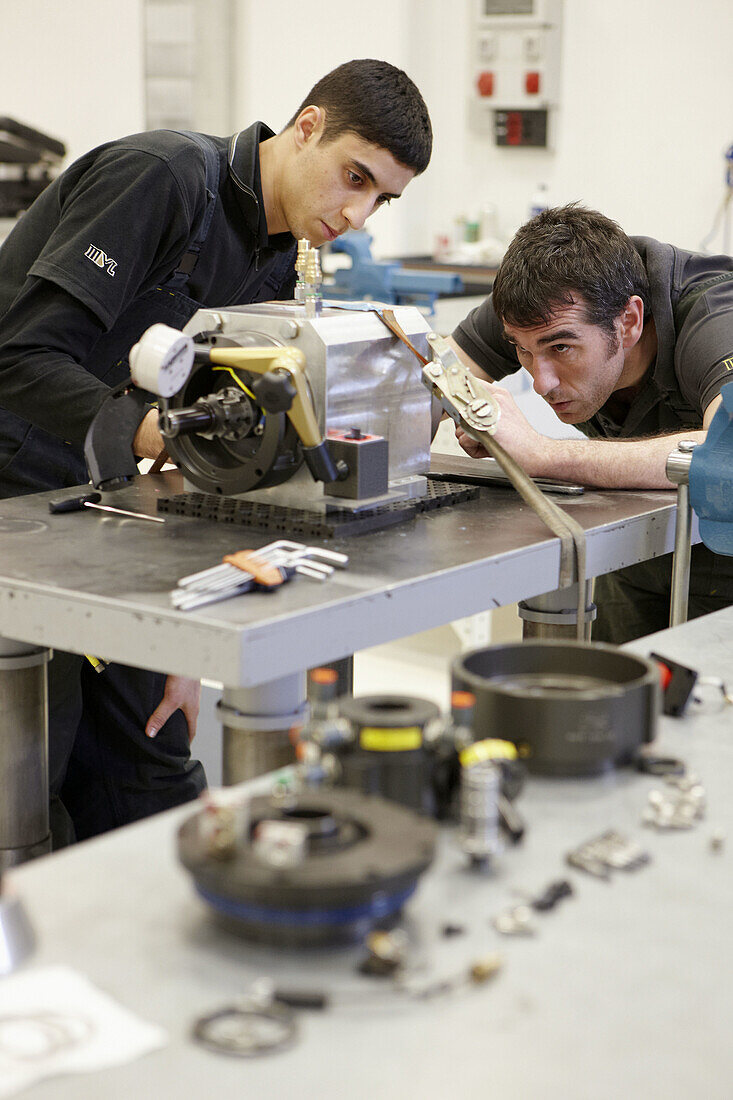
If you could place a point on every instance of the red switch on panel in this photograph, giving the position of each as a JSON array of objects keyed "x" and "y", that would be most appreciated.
[
  {"x": 485, "y": 84},
  {"x": 514, "y": 128},
  {"x": 532, "y": 83}
]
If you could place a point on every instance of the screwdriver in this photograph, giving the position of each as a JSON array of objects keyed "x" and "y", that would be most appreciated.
[{"x": 91, "y": 500}]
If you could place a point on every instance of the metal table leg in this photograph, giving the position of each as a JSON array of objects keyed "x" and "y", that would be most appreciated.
[
  {"x": 256, "y": 726},
  {"x": 554, "y": 614},
  {"x": 24, "y": 817}
]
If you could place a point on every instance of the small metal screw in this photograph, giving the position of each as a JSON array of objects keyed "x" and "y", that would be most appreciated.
[{"x": 717, "y": 842}]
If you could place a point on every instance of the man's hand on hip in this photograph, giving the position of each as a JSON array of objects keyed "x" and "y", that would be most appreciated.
[{"x": 179, "y": 694}]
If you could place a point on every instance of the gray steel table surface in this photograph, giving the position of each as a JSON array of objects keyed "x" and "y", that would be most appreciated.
[
  {"x": 96, "y": 583},
  {"x": 624, "y": 991}
]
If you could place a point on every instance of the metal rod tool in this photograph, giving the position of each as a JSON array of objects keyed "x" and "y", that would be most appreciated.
[{"x": 91, "y": 500}]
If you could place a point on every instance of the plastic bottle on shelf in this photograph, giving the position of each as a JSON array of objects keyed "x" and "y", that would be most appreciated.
[
  {"x": 540, "y": 200},
  {"x": 488, "y": 222}
]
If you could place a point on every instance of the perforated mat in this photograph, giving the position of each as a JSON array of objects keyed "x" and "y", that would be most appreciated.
[{"x": 300, "y": 523}]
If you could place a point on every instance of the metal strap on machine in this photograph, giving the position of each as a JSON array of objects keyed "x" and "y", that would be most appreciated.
[
  {"x": 567, "y": 529},
  {"x": 388, "y": 318}
]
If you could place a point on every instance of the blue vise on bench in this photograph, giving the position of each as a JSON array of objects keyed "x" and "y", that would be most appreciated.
[
  {"x": 703, "y": 474},
  {"x": 386, "y": 282}
]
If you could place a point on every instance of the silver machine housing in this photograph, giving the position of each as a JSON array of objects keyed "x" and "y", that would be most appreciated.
[{"x": 360, "y": 376}]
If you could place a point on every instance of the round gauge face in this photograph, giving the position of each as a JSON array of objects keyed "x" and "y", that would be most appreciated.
[
  {"x": 175, "y": 368},
  {"x": 161, "y": 360}
]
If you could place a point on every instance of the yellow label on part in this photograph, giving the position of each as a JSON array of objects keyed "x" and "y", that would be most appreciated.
[
  {"x": 728, "y": 364},
  {"x": 490, "y": 749},
  {"x": 390, "y": 740}
]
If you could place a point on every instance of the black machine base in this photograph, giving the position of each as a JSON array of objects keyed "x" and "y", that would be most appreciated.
[
  {"x": 362, "y": 860},
  {"x": 300, "y": 522}
]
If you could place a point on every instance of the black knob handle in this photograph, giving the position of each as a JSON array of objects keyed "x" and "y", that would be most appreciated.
[{"x": 274, "y": 392}]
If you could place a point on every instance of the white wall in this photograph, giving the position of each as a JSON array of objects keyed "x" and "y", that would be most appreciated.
[
  {"x": 73, "y": 69},
  {"x": 647, "y": 90},
  {"x": 283, "y": 47},
  {"x": 647, "y": 95}
]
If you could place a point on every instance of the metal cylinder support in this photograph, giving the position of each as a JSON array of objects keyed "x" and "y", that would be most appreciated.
[
  {"x": 256, "y": 726},
  {"x": 555, "y": 615},
  {"x": 678, "y": 472},
  {"x": 680, "y": 591},
  {"x": 24, "y": 815}
]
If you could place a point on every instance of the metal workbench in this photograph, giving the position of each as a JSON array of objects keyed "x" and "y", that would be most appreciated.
[
  {"x": 624, "y": 991},
  {"x": 99, "y": 584}
]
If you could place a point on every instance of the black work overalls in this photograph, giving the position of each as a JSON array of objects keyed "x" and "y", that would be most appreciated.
[{"x": 103, "y": 770}]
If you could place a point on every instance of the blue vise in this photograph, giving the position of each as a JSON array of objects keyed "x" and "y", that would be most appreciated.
[
  {"x": 711, "y": 479},
  {"x": 385, "y": 282}
]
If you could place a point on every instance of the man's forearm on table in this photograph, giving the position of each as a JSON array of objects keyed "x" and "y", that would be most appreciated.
[{"x": 610, "y": 464}]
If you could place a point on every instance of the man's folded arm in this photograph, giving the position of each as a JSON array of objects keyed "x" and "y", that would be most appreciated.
[{"x": 603, "y": 463}]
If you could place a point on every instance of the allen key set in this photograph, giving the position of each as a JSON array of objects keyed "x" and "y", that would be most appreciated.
[{"x": 256, "y": 570}]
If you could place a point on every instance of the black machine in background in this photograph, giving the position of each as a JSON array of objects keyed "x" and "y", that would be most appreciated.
[{"x": 29, "y": 161}]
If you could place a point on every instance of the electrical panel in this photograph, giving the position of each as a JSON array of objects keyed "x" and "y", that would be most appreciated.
[{"x": 515, "y": 66}]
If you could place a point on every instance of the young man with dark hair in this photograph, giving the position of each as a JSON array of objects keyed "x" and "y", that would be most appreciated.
[
  {"x": 629, "y": 339},
  {"x": 145, "y": 229},
  {"x": 378, "y": 103}
]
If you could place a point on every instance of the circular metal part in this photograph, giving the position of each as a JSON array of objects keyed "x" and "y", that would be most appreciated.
[
  {"x": 246, "y": 1031},
  {"x": 268, "y": 454},
  {"x": 387, "y": 754},
  {"x": 363, "y": 856},
  {"x": 229, "y": 414},
  {"x": 571, "y": 708},
  {"x": 388, "y": 712},
  {"x": 483, "y": 413},
  {"x": 161, "y": 360},
  {"x": 678, "y": 462}
]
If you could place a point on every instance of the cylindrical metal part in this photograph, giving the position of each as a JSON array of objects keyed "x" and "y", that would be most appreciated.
[
  {"x": 680, "y": 589},
  {"x": 555, "y": 614},
  {"x": 479, "y": 833},
  {"x": 196, "y": 418},
  {"x": 256, "y": 726},
  {"x": 678, "y": 472},
  {"x": 571, "y": 708},
  {"x": 678, "y": 463},
  {"x": 387, "y": 754},
  {"x": 24, "y": 816}
]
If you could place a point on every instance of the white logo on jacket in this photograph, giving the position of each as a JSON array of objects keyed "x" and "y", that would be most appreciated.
[{"x": 101, "y": 259}]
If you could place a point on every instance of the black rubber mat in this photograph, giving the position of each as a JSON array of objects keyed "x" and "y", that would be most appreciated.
[{"x": 298, "y": 523}]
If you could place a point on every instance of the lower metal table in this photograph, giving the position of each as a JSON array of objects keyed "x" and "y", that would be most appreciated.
[
  {"x": 624, "y": 990},
  {"x": 92, "y": 582}
]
